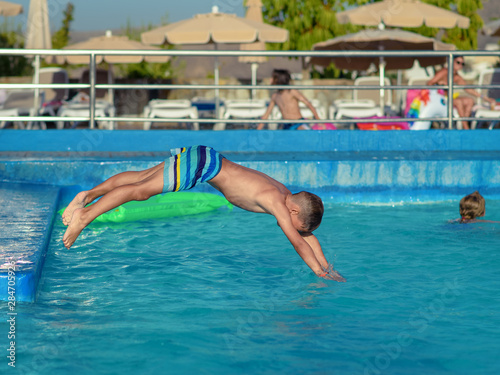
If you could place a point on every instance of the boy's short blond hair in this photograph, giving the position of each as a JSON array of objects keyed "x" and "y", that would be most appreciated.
[{"x": 472, "y": 206}]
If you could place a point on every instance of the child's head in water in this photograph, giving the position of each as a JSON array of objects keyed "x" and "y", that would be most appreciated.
[{"x": 472, "y": 206}]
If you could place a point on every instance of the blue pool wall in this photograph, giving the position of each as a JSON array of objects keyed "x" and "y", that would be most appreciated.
[
  {"x": 343, "y": 166},
  {"x": 249, "y": 140},
  {"x": 41, "y": 169}
]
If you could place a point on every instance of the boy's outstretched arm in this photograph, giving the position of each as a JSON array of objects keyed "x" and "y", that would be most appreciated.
[
  {"x": 331, "y": 274},
  {"x": 304, "y": 249},
  {"x": 316, "y": 247}
]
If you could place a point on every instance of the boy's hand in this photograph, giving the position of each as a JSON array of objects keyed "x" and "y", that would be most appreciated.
[{"x": 331, "y": 274}]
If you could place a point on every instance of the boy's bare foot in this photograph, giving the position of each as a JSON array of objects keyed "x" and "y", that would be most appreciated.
[
  {"x": 75, "y": 227},
  {"x": 77, "y": 202}
]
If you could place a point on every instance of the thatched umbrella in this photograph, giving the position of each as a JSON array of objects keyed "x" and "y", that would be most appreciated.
[
  {"x": 403, "y": 13},
  {"x": 215, "y": 28},
  {"x": 10, "y": 9},
  {"x": 383, "y": 40},
  {"x": 109, "y": 42}
]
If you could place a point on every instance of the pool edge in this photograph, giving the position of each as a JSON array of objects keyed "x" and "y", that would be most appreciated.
[{"x": 28, "y": 269}]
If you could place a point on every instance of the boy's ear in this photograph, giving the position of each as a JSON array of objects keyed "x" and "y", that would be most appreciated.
[{"x": 293, "y": 207}]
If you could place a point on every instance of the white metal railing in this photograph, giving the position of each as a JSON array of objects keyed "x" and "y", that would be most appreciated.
[{"x": 93, "y": 86}]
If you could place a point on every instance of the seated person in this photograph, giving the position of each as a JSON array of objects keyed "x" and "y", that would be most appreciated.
[{"x": 463, "y": 104}]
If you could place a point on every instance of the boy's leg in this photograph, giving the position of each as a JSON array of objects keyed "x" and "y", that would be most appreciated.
[
  {"x": 124, "y": 178},
  {"x": 85, "y": 197},
  {"x": 137, "y": 191}
]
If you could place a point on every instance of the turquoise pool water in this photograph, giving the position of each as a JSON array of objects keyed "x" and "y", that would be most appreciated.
[{"x": 226, "y": 294}]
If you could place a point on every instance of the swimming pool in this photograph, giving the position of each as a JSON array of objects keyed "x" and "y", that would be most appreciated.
[
  {"x": 421, "y": 297},
  {"x": 225, "y": 293}
]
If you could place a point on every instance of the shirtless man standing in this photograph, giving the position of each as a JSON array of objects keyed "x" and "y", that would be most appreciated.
[{"x": 297, "y": 214}]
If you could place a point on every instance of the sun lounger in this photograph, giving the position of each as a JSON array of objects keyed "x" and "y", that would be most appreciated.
[
  {"x": 21, "y": 103},
  {"x": 171, "y": 110},
  {"x": 242, "y": 109}
]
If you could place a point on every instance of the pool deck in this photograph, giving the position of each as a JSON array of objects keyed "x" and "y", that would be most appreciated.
[{"x": 37, "y": 167}]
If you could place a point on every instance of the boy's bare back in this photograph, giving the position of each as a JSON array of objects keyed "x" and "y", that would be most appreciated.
[
  {"x": 249, "y": 189},
  {"x": 288, "y": 103}
]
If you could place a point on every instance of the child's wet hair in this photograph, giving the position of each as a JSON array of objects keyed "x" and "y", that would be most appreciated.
[
  {"x": 311, "y": 211},
  {"x": 472, "y": 206}
]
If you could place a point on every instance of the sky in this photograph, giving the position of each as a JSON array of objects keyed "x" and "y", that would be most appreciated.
[{"x": 92, "y": 15}]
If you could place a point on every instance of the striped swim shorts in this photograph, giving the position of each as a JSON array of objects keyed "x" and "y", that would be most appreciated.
[{"x": 190, "y": 166}]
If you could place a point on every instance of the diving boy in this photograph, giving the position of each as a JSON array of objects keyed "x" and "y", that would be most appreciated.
[{"x": 297, "y": 214}]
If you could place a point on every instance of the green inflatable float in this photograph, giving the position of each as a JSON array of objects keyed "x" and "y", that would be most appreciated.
[{"x": 164, "y": 206}]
